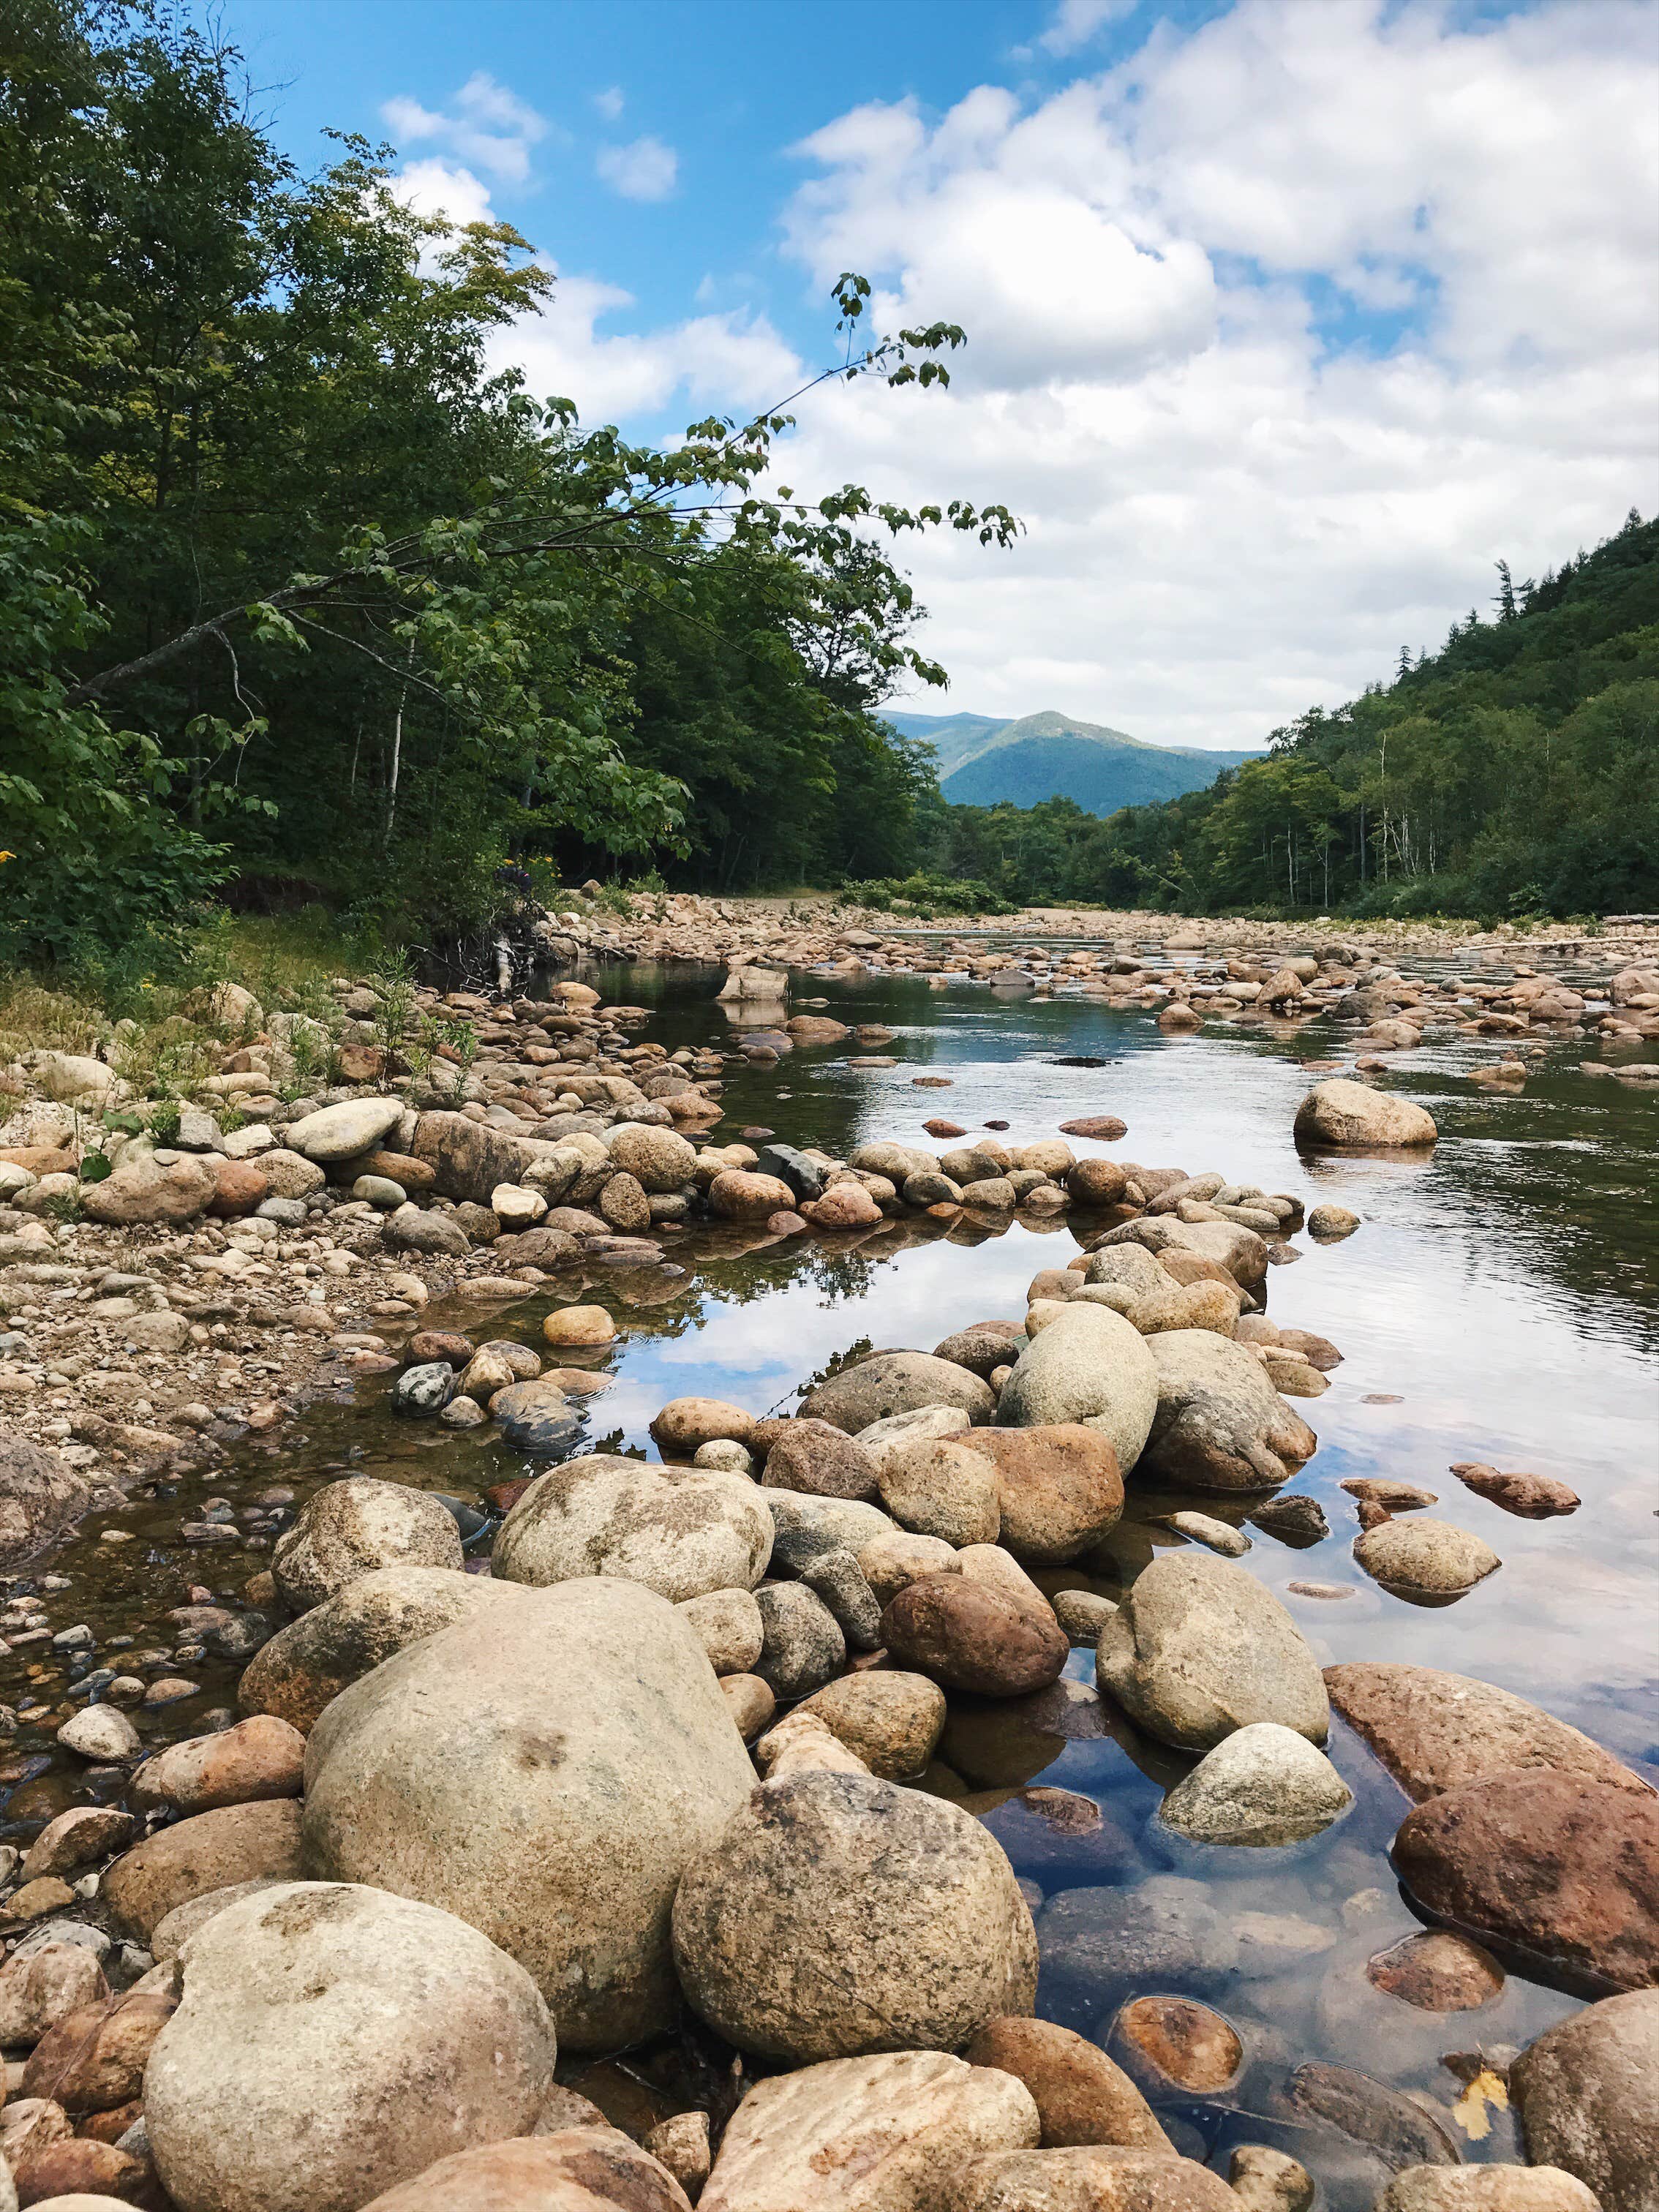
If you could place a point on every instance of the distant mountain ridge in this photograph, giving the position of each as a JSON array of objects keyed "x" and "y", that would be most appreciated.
[{"x": 983, "y": 762}]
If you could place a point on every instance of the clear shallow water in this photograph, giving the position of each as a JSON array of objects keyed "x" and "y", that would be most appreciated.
[{"x": 1500, "y": 1301}]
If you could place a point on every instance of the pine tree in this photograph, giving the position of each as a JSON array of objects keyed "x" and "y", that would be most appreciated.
[{"x": 1505, "y": 600}]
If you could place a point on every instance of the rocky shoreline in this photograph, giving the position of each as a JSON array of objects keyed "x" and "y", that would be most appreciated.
[{"x": 699, "y": 1785}]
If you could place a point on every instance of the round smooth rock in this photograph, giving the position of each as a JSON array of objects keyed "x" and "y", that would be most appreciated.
[
  {"x": 589, "y": 1325},
  {"x": 805, "y": 1645},
  {"x": 584, "y": 2168},
  {"x": 1486, "y": 2188},
  {"x": 1588, "y": 2094},
  {"x": 1344, "y": 1115},
  {"x": 1089, "y": 1365},
  {"x": 1437, "y": 1972},
  {"x": 1422, "y": 1557},
  {"x": 970, "y": 1636},
  {"x": 1082, "y": 2096},
  {"x": 680, "y": 1531},
  {"x": 1262, "y": 1785},
  {"x": 935, "y": 1488},
  {"x": 685, "y": 1423},
  {"x": 420, "y": 1393},
  {"x": 1199, "y": 1648},
  {"x": 1059, "y": 1489},
  {"x": 356, "y": 2036},
  {"x": 889, "y": 1382},
  {"x": 1220, "y": 1424},
  {"x": 728, "y": 1623},
  {"x": 840, "y": 1914},
  {"x": 350, "y": 1527},
  {"x": 1177, "y": 2041},
  {"x": 816, "y": 1456},
  {"x": 891, "y": 1719}
]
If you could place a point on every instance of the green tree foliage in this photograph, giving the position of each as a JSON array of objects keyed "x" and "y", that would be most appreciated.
[
  {"x": 295, "y": 588},
  {"x": 1516, "y": 771}
]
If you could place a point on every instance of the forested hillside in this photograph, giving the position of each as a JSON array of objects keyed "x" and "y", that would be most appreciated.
[
  {"x": 1515, "y": 771},
  {"x": 297, "y": 601}
]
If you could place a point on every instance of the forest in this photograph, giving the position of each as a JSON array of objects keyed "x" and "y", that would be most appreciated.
[
  {"x": 302, "y": 605},
  {"x": 1514, "y": 772}
]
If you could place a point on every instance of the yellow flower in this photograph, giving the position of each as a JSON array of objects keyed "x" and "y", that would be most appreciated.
[{"x": 8, "y": 856}]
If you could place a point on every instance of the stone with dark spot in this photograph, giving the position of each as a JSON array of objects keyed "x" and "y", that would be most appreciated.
[
  {"x": 235, "y": 1843},
  {"x": 581, "y": 2169},
  {"x": 1437, "y": 1972},
  {"x": 1566, "y": 1867},
  {"x": 680, "y": 1531},
  {"x": 1058, "y": 1487},
  {"x": 1176, "y": 2041},
  {"x": 1434, "y": 1731}
]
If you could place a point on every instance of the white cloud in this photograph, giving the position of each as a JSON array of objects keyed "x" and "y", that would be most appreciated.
[
  {"x": 609, "y": 102},
  {"x": 435, "y": 187},
  {"x": 645, "y": 169},
  {"x": 1076, "y": 22},
  {"x": 492, "y": 129},
  {"x": 1244, "y": 495}
]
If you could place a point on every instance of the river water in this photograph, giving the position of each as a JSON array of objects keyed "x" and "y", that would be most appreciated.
[{"x": 1497, "y": 1304}]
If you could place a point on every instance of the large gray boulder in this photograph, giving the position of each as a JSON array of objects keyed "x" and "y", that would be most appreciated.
[
  {"x": 680, "y": 1531},
  {"x": 468, "y": 1158},
  {"x": 891, "y": 1382},
  {"x": 1344, "y": 1115},
  {"x": 308, "y": 1663},
  {"x": 1087, "y": 1365},
  {"x": 349, "y": 1529},
  {"x": 839, "y": 1914},
  {"x": 39, "y": 1497},
  {"x": 545, "y": 1771},
  {"x": 1220, "y": 1424},
  {"x": 1199, "y": 1648},
  {"x": 1588, "y": 2094},
  {"x": 333, "y": 2040}
]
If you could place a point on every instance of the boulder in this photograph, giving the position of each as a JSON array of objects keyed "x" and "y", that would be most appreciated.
[
  {"x": 804, "y": 1645},
  {"x": 1089, "y": 1366},
  {"x": 1095, "y": 2178},
  {"x": 885, "y": 2133},
  {"x": 891, "y": 1719},
  {"x": 814, "y": 1455},
  {"x": 984, "y": 1347},
  {"x": 680, "y": 1531},
  {"x": 468, "y": 1158},
  {"x": 143, "y": 1190},
  {"x": 843, "y": 1206},
  {"x": 354, "y": 2037},
  {"x": 1057, "y": 1488},
  {"x": 74, "y": 1078},
  {"x": 259, "y": 1758},
  {"x": 1566, "y": 1867},
  {"x": 350, "y": 1527},
  {"x": 290, "y": 1175},
  {"x": 1588, "y": 2094},
  {"x": 535, "y": 1416},
  {"x": 412, "y": 1228},
  {"x": 1199, "y": 1648},
  {"x": 839, "y": 1914},
  {"x": 236, "y": 1842},
  {"x": 492, "y": 1768},
  {"x": 1220, "y": 1424},
  {"x": 1264, "y": 1784},
  {"x": 1434, "y": 1731},
  {"x": 970, "y": 1636},
  {"x": 340, "y": 1133},
  {"x": 1081, "y": 2095},
  {"x": 805, "y": 1525},
  {"x": 1486, "y": 2188},
  {"x": 659, "y": 1160},
  {"x": 100, "y": 1733},
  {"x": 94, "y": 2060},
  {"x": 1426, "y": 1558},
  {"x": 1344, "y": 1115},
  {"x": 40, "y": 1497},
  {"x": 579, "y": 1325},
  {"x": 737, "y": 1194},
  {"x": 239, "y": 1187},
  {"x": 41, "y": 1988},
  {"x": 575, "y": 2169},
  {"x": 936, "y": 1487},
  {"x": 1532, "y": 1496},
  {"x": 685, "y": 1424},
  {"x": 889, "y": 1382},
  {"x": 727, "y": 1624},
  {"x": 310, "y": 1662}
]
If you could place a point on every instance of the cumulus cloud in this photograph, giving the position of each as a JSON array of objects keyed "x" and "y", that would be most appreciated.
[
  {"x": 1281, "y": 333},
  {"x": 645, "y": 169},
  {"x": 490, "y": 129},
  {"x": 609, "y": 102}
]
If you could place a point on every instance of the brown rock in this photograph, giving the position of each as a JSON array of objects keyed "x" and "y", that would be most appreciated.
[
  {"x": 1403, "y": 2129},
  {"x": 737, "y": 1194},
  {"x": 1588, "y": 2094},
  {"x": 815, "y": 1456},
  {"x": 843, "y": 1206},
  {"x": 430, "y": 1344},
  {"x": 1394, "y": 1497},
  {"x": 142, "y": 1190},
  {"x": 240, "y": 1186},
  {"x": 1437, "y": 1972},
  {"x": 47, "y": 1893},
  {"x": 1081, "y": 2095},
  {"x": 95, "y": 2059},
  {"x": 238, "y": 1843},
  {"x": 584, "y": 2169},
  {"x": 1485, "y": 2189},
  {"x": 1173, "y": 2039},
  {"x": 1434, "y": 1731},
  {"x": 84, "y": 2173},
  {"x": 579, "y": 1325},
  {"x": 259, "y": 1758},
  {"x": 1096, "y": 1181},
  {"x": 402, "y": 1167},
  {"x": 40, "y": 1496},
  {"x": 983, "y": 1347},
  {"x": 892, "y": 1720},
  {"x": 37, "y": 1992},
  {"x": 1093, "y": 2178},
  {"x": 685, "y": 1424},
  {"x": 1103, "y": 1128},
  {"x": 1564, "y": 1867},
  {"x": 969, "y": 1637},
  {"x": 1058, "y": 1485},
  {"x": 77, "y": 1838},
  {"x": 1349, "y": 1116},
  {"x": 1532, "y": 1497}
]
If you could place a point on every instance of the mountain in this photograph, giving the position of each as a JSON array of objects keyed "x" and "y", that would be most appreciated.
[{"x": 983, "y": 760}]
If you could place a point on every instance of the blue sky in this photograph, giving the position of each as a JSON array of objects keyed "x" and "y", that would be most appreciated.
[{"x": 1287, "y": 317}]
